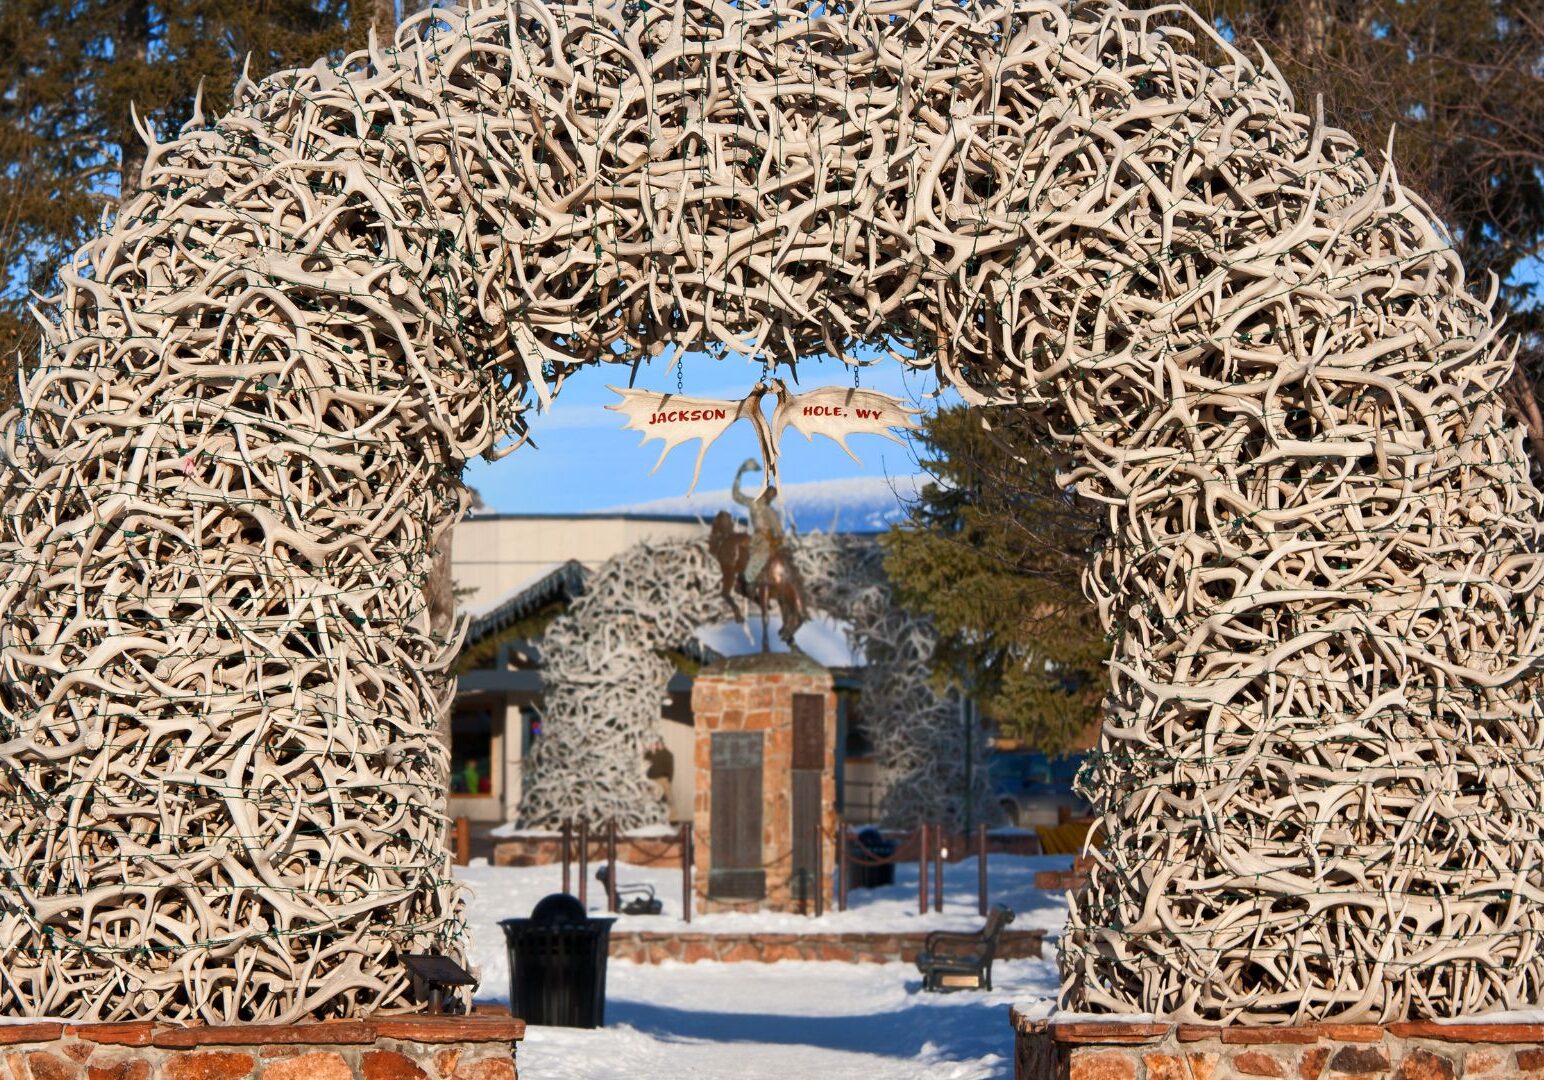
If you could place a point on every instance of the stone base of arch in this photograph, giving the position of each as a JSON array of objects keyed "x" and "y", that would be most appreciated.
[
  {"x": 1138, "y": 1049},
  {"x": 480, "y": 1046},
  {"x": 766, "y": 781}
]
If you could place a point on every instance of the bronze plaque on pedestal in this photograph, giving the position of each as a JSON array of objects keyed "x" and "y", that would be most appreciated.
[{"x": 736, "y": 872}]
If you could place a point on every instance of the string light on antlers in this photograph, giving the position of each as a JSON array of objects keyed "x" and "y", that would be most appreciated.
[{"x": 221, "y": 790}]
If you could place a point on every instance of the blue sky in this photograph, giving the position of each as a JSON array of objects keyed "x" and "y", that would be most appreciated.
[{"x": 584, "y": 461}]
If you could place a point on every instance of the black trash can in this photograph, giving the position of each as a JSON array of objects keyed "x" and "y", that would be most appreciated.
[
  {"x": 868, "y": 847},
  {"x": 557, "y": 964}
]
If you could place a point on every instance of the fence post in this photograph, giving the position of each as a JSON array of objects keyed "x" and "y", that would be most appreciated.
[
  {"x": 611, "y": 866},
  {"x": 843, "y": 869},
  {"x": 939, "y": 853},
  {"x": 463, "y": 840},
  {"x": 584, "y": 863},
  {"x": 820, "y": 870},
  {"x": 567, "y": 854},
  {"x": 686, "y": 871},
  {"x": 981, "y": 867},
  {"x": 922, "y": 869}
]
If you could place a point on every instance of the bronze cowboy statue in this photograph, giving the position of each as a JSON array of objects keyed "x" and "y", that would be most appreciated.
[{"x": 759, "y": 565}]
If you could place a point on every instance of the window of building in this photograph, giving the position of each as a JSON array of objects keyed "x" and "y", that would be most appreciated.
[
  {"x": 858, "y": 744},
  {"x": 471, "y": 751}
]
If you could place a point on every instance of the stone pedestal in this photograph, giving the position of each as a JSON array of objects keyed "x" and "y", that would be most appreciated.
[{"x": 766, "y": 779}]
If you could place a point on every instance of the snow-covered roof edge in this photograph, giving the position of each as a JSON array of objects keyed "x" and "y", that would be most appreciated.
[{"x": 565, "y": 580}]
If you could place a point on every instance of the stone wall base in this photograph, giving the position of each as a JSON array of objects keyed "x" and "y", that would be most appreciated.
[
  {"x": 958, "y": 846},
  {"x": 478, "y": 1047},
  {"x": 1066, "y": 880},
  {"x": 1414, "y": 1050},
  {"x": 656, "y": 947},
  {"x": 545, "y": 850},
  {"x": 664, "y": 851}
]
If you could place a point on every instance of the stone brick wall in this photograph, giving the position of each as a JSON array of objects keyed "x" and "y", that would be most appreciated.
[
  {"x": 480, "y": 1047},
  {"x": 1414, "y": 1050},
  {"x": 655, "y": 947},
  {"x": 755, "y": 693},
  {"x": 546, "y": 850},
  {"x": 652, "y": 849},
  {"x": 1066, "y": 880}
]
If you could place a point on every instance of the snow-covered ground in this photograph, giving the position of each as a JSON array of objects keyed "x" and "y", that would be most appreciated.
[{"x": 790, "y": 1019}]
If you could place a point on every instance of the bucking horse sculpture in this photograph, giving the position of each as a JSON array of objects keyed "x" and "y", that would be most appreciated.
[{"x": 758, "y": 565}]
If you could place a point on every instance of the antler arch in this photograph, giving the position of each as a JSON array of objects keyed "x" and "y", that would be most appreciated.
[{"x": 258, "y": 387}]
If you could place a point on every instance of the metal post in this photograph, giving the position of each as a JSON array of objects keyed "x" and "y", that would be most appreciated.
[
  {"x": 611, "y": 866},
  {"x": 820, "y": 871},
  {"x": 843, "y": 869},
  {"x": 584, "y": 863},
  {"x": 970, "y": 770},
  {"x": 939, "y": 851},
  {"x": 922, "y": 869},
  {"x": 567, "y": 854},
  {"x": 981, "y": 867},
  {"x": 686, "y": 871},
  {"x": 463, "y": 840}
]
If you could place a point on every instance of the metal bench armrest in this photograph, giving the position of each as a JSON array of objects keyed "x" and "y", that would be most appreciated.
[{"x": 952, "y": 941}]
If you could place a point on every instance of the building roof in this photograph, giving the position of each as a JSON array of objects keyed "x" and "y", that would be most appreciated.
[{"x": 556, "y": 581}]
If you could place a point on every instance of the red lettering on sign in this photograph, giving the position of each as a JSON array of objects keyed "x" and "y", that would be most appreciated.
[
  {"x": 823, "y": 410},
  {"x": 686, "y": 416}
]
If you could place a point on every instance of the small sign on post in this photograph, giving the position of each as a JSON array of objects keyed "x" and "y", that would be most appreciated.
[{"x": 463, "y": 840}]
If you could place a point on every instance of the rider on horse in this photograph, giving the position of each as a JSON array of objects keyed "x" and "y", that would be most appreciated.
[
  {"x": 766, "y": 524},
  {"x": 759, "y": 565}
]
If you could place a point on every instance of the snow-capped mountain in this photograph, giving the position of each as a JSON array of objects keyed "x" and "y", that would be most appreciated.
[{"x": 850, "y": 504}]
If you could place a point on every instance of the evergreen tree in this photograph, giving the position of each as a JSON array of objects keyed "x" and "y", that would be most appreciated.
[
  {"x": 993, "y": 552},
  {"x": 69, "y": 72},
  {"x": 1460, "y": 84}
]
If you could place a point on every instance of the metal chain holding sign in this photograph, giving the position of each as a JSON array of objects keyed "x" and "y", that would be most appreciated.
[{"x": 221, "y": 796}]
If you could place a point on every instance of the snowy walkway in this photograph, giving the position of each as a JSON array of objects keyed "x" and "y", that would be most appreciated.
[
  {"x": 785, "y": 1020},
  {"x": 788, "y": 1021}
]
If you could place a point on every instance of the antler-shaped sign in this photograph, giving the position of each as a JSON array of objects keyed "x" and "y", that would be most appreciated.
[
  {"x": 831, "y": 411},
  {"x": 836, "y": 413},
  {"x": 675, "y": 419}
]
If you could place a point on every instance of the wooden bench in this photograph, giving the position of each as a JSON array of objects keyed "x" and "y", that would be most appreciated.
[{"x": 951, "y": 960}]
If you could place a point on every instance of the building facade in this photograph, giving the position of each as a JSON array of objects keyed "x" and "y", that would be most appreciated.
[{"x": 513, "y": 573}]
